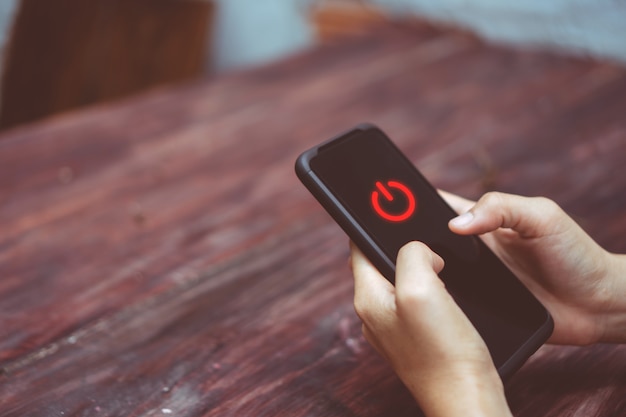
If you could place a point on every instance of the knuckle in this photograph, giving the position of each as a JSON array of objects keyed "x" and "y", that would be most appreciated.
[
  {"x": 492, "y": 199},
  {"x": 549, "y": 215},
  {"x": 413, "y": 247},
  {"x": 547, "y": 205}
]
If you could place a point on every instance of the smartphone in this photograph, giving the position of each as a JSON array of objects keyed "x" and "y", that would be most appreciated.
[{"x": 382, "y": 201}]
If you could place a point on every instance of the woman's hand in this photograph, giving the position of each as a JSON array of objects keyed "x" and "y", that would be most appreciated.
[
  {"x": 425, "y": 336},
  {"x": 582, "y": 285},
  {"x": 429, "y": 341}
]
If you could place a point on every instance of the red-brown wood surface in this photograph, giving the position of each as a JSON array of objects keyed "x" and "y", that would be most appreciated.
[{"x": 158, "y": 255}]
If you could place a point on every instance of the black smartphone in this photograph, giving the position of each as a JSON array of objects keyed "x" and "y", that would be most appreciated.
[{"x": 382, "y": 202}]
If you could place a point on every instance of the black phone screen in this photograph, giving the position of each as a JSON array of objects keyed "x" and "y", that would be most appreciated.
[{"x": 394, "y": 204}]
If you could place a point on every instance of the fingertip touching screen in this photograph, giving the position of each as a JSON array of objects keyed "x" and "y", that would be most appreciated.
[{"x": 394, "y": 204}]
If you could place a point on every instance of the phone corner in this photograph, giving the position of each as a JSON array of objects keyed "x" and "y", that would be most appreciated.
[
  {"x": 548, "y": 325},
  {"x": 532, "y": 345},
  {"x": 302, "y": 165},
  {"x": 368, "y": 126}
]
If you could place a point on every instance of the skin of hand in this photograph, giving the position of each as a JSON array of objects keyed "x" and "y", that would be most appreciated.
[
  {"x": 433, "y": 347},
  {"x": 425, "y": 336},
  {"x": 582, "y": 285}
]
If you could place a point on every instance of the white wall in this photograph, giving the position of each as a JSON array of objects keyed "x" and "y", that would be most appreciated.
[
  {"x": 252, "y": 31},
  {"x": 256, "y": 31},
  {"x": 597, "y": 27},
  {"x": 7, "y": 13}
]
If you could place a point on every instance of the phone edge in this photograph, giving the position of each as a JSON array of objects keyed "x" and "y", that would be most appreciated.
[
  {"x": 338, "y": 212},
  {"x": 355, "y": 232}
]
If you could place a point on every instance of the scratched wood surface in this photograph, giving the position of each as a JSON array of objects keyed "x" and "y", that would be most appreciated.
[{"x": 158, "y": 256}]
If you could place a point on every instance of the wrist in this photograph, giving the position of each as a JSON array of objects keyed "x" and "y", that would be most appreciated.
[{"x": 465, "y": 392}]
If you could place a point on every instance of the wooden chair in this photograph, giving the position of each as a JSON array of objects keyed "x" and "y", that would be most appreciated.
[{"x": 63, "y": 54}]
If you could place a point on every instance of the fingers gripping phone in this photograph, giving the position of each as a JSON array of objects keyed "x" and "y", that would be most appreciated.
[{"x": 382, "y": 202}]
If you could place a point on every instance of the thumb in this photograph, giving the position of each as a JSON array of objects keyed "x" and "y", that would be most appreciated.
[{"x": 528, "y": 216}]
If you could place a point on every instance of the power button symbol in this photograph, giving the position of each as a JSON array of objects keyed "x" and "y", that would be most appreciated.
[{"x": 390, "y": 192}]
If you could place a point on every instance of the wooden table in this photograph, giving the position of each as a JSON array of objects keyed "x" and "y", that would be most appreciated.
[{"x": 159, "y": 257}]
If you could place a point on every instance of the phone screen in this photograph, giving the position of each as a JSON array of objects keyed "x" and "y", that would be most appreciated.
[{"x": 393, "y": 203}]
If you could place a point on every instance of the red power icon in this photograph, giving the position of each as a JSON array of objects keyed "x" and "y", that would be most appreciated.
[{"x": 381, "y": 189}]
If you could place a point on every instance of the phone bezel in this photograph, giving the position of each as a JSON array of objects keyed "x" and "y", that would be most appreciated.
[{"x": 372, "y": 250}]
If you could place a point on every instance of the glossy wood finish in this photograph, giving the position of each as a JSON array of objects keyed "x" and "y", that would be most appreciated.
[{"x": 158, "y": 256}]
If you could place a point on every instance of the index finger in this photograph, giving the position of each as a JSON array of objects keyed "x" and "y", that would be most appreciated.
[{"x": 417, "y": 267}]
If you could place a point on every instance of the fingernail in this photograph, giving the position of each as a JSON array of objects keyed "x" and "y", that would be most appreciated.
[{"x": 462, "y": 220}]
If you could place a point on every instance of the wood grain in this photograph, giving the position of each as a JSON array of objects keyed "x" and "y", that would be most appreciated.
[{"x": 159, "y": 256}]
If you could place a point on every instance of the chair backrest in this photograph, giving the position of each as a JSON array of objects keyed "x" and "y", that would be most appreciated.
[{"x": 63, "y": 54}]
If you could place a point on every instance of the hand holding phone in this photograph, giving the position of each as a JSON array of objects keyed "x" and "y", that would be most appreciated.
[
  {"x": 382, "y": 202},
  {"x": 423, "y": 334}
]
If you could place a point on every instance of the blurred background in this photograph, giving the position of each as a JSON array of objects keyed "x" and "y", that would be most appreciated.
[{"x": 58, "y": 55}]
